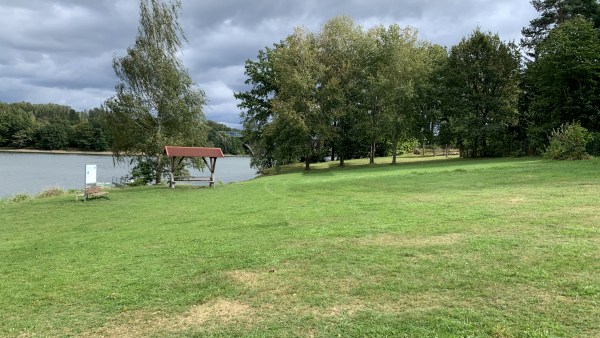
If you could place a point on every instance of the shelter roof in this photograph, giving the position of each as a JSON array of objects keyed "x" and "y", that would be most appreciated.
[{"x": 173, "y": 151}]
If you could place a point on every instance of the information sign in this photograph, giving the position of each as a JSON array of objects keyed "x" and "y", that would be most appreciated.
[{"x": 90, "y": 174}]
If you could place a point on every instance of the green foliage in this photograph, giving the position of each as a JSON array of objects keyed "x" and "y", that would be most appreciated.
[
  {"x": 52, "y": 136},
  {"x": 564, "y": 79},
  {"x": 593, "y": 146},
  {"x": 403, "y": 71},
  {"x": 88, "y": 137},
  {"x": 552, "y": 14},
  {"x": 20, "y": 197},
  {"x": 51, "y": 126},
  {"x": 156, "y": 102},
  {"x": 342, "y": 92},
  {"x": 481, "y": 80},
  {"x": 343, "y": 86},
  {"x": 300, "y": 127},
  {"x": 568, "y": 142},
  {"x": 218, "y": 137},
  {"x": 144, "y": 171},
  {"x": 257, "y": 112},
  {"x": 408, "y": 146},
  {"x": 16, "y": 126}
]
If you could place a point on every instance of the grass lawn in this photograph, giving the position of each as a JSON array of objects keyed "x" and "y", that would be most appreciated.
[{"x": 494, "y": 247}]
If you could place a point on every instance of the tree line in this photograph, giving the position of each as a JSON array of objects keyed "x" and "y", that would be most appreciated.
[
  {"x": 51, "y": 127},
  {"x": 347, "y": 92},
  {"x": 25, "y": 125}
]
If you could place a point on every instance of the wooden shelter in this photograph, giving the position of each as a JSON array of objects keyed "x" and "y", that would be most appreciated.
[{"x": 178, "y": 154}]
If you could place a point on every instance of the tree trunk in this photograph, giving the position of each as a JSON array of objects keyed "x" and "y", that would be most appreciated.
[
  {"x": 394, "y": 152},
  {"x": 342, "y": 159},
  {"x": 159, "y": 169},
  {"x": 372, "y": 154},
  {"x": 332, "y": 152},
  {"x": 307, "y": 163}
]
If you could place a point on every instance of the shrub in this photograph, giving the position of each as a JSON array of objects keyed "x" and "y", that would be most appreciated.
[
  {"x": 50, "y": 192},
  {"x": 568, "y": 143},
  {"x": 144, "y": 171},
  {"x": 20, "y": 197},
  {"x": 593, "y": 145}
]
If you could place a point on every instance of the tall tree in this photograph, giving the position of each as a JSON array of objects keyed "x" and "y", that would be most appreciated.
[
  {"x": 552, "y": 14},
  {"x": 565, "y": 79},
  {"x": 301, "y": 128},
  {"x": 257, "y": 111},
  {"x": 481, "y": 77},
  {"x": 156, "y": 102},
  {"x": 431, "y": 124},
  {"x": 341, "y": 58},
  {"x": 404, "y": 63}
]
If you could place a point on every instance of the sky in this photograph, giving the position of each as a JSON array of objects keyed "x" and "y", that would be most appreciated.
[{"x": 61, "y": 51}]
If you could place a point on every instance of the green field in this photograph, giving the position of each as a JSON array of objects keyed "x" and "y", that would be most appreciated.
[{"x": 495, "y": 247}]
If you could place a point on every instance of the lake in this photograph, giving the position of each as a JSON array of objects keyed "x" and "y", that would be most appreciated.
[{"x": 31, "y": 173}]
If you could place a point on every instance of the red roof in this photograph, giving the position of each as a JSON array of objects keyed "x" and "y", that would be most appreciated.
[{"x": 193, "y": 152}]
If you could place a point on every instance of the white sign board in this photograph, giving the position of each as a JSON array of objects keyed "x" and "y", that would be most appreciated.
[{"x": 90, "y": 174}]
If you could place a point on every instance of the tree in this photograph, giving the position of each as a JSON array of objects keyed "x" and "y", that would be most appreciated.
[
  {"x": 156, "y": 103},
  {"x": 404, "y": 65},
  {"x": 565, "y": 79},
  {"x": 53, "y": 136},
  {"x": 218, "y": 137},
  {"x": 300, "y": 126},
  {"x": 552, "y": 14},
  {"x": 342, "y": 61},
  {"x": 257, "y": 111},
  {"x": 430, "y": 123},
  {"x": 17, "y": 127},
  {"x": 481, "y": 77}
]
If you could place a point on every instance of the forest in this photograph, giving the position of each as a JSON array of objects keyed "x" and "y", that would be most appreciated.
[
  {"x": 348, "y": 92},
  {"x": 50, "y": 126}
]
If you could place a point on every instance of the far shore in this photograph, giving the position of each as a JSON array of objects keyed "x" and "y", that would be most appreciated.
[
  {"x": 72, "y": 152},
  {"x": 61, "y": 152}
]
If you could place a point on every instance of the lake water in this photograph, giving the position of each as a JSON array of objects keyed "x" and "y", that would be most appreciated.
[{"x": 32, "y": 173}]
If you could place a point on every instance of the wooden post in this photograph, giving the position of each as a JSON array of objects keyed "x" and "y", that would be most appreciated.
[
  {"x": 213, "y": 163},
  {"x": 171, "y": 176}
]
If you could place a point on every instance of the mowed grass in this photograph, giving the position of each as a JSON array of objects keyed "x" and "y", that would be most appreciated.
[{"x": 495, "y": 247}]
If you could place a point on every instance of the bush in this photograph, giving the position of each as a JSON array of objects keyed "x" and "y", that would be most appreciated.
[
  {"x": 593, "y": 145},
  {"x": 51, "y": 192},
  {"x": 20, "y": 197},
  {"x": 568, "y": 143},
  {"x": 144, "y": 171}
]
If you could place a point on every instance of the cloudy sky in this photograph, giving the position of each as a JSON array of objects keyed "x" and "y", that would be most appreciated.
[{"x": 61, "y": 51}]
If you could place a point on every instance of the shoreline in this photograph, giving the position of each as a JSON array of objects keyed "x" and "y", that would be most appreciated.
[
  {"x": 57, "y": 152},
  {"x": 73, "y": 152}
]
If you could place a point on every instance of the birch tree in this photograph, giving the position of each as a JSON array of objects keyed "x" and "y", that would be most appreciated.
[{"x": 156, "y": 102}]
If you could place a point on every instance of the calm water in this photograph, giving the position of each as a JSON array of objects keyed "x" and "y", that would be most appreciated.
[{"x": 32, "y": 173}]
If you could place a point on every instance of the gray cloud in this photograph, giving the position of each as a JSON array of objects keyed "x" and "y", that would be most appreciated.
[{"x": 61, "y": 51}]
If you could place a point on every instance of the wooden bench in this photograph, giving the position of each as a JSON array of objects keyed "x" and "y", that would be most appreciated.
[
  {"x": 193, "y": 179},
  {"x": 209, "y": 180},
  {"x": 92, "y": 192}
]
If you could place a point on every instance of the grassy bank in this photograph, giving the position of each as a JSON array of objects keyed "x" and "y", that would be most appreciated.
[{"x": 503, "y": 247}]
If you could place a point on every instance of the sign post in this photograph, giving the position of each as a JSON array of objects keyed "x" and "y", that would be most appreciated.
[{"x": 90, "y": 178}]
